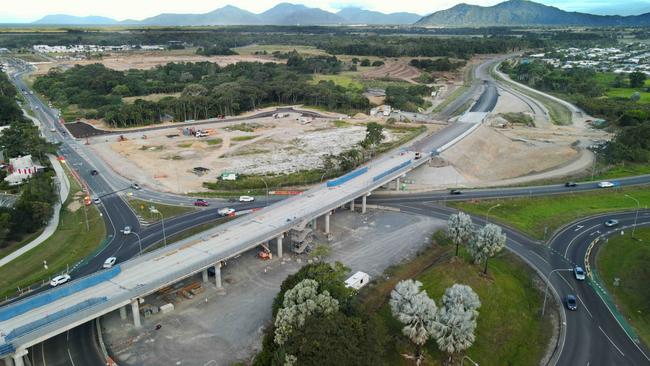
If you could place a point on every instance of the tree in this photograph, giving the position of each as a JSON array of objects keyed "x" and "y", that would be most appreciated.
[
  {"x": 374, "y": 135},
  {"x": 416, "y": 310},
  {"x": 456, "y": 320},
  {"x": 460, "y": 229},
  {"x": 488, "y": 242},
  {"x": 637, "y": 79},
  {"x": 300, "y": 302}
]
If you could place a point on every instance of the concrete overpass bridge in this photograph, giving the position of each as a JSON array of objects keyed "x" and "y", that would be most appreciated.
[{"x": 37, "y": 318}]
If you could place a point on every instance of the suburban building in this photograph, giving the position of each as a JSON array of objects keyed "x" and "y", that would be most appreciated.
[{"x": 21, "y": 168}]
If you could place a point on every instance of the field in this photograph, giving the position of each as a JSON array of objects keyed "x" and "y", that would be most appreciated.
[
  {"x": 345, "y": 79},
  {"x": 141, "y": 208},
  {"x": 270, "y": 48},
  {"x": 534, "y": 215},
  {"x": 150, "y": 97},
  {"x": 627, "y": 259},
  {"x": 509, "y": 331},
  {"x": 606, "y": 79},
  {"x": 75, "y": 239}
]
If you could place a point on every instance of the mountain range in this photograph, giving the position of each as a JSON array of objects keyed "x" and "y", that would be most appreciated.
[
  {"x": 281, "y": 14},
  {"x": 507, "y": 13},
  {"x": 524, "y": 13}
]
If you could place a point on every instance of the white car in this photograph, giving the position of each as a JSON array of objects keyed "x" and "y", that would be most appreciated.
[
  {"x": 59, "y": 280},
  {"x": 136, "y": 186},
  {"x": 96, "y": 200},
  {"x": 605, "y": 185},
  {"x": 246, "y": 199},
  {"x": 225, "y": 211},
  {"x": 579, "y": 273},
  {"x": 109, "y": 262},
  {"x": 127, "y": 230}
]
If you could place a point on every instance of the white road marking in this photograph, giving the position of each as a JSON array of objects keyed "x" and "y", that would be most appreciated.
[
  {"x": 578, "y": 227},
  {"x": 585, "y": 305},
  {"x": 566, "y": 251},
  {"x": 70, "y": 355},
  {"x": 614, "y": 344},
  {"x": 565, "y": 281},
  {"x": 539, "y": 256}
]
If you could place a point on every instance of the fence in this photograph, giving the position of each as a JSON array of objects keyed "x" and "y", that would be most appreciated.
[{"x": 47, "y": 297}]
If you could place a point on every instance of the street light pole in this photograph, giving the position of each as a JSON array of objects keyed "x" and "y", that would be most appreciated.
[
  {"x": 548, "y": 281},
  {"x": 470, "y": 360},
  {"x": 162, "y": 219},
  {"x": 487, "y": 214},
  {"x": 139, "y": 241},
  {"x": 636, "y": 216}
]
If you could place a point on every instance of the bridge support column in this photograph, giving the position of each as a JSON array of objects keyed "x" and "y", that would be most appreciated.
[
  {"x": 327, "y": 222},
  {"x": 204, "y": 274},
  {"x": 18, "y": 357},
  {"x": 278, "y": 242},
  {"x": 217, "y": 274},
  {"x": 397, "y": 184},
  {"x": 314, "y": 224},
  {"x": 352, "y": 205},
  {"x": 135, "y": 309},
  {"x": 8, "y": 362},
  {"x": 363, "y": 204},
  {"x": 123, "y": 313}
]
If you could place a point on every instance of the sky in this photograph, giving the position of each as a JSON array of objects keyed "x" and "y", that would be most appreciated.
[{"x": 30, "y": 10}]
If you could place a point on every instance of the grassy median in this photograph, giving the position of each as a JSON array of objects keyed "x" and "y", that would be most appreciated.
[
  {"x": 71, "y": 242},
  {"x": 141, "y": 208},
  {"x": 627, "y": 259},
  {"x": 509, "y": 329},
  {"x": 535, "y": 215}
]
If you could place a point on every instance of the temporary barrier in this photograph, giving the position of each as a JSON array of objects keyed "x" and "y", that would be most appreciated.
[
  {"x": 7, "y": 349},
  {"x": 24, "y": 329},
  {"x": 32, "y": 302},
  {"x": 391, "y": 170},
  {"x": 344, "y": 178}
]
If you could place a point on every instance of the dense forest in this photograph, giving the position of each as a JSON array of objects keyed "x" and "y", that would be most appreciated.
[
  {"x": 34, "y": 206},
  {"x": 206, "y": 90},
  {"x": 630, "y": 118}
]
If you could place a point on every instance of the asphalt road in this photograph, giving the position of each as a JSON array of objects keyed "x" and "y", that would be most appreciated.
[{"x": 117, "y": 215}]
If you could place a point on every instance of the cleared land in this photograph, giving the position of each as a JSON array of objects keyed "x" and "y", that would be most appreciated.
[
  {"x": 627, "y": 259},
  {"x": 533, "y": 215},
  {"x": 509, "y": 331},
  {"x": 257, "y": 49}
]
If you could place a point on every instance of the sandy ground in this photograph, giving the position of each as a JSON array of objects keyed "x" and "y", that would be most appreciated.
[
  {"x": 223, "y": 327},
  {"x": 166, "y": 158},
  {"x": 394, "y": 69},
  {"x": 145, "y": 61}
]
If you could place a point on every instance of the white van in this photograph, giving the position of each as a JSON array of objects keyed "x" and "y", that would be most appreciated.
[{"x": 357, "y": 281}]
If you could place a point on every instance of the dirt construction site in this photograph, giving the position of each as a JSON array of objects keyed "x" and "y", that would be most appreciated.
[{"x": 179, "y": 159}]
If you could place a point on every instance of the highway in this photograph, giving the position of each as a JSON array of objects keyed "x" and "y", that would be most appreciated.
[
  {"x": 117, "y": 214},
  {"x": 592, "y": 335}
]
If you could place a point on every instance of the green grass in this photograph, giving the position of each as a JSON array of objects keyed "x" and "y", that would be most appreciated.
[
  {"x": 454, "y": 95},
  {"x": 533, "y": 215},
  {"x": 627, "y": 259},
  {"x": 71, "y": 242},
  {"x": 270, "y": 48},
  {"x": 509, "y": 329},
  {"x": 627, "y": 93},
  {"x": 256, "y": 182},
  {"x": 244, "y": 127},
  {"x": 213, "y": 142},
  {"x": 518, "y": 118},
  {"x": 243, "y": 138},
  {"x": 347, "y": 80},
  {"x": 623, "y": 170},
  {"x": 342, "y": 124},
  {"x": 142, "y": 209}
]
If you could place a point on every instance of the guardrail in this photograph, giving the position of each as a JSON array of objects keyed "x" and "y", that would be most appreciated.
[
  {"x": 391, "y": 170},
  {"x": 347, "y": 177}
]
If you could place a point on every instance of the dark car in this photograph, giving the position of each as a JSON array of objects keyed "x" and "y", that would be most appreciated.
[
  {"x": 571, "y": 302},
  {"x": 611, "y": 222},
  {"x": 201, "y": 202},
  {"x": 94, "y": 172},
  {"x": 455, "y": 191},
  {"x": 570, "y": 184}
]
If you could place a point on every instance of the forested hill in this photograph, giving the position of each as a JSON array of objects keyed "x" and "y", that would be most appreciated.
[{"x": 524, "y": 12}]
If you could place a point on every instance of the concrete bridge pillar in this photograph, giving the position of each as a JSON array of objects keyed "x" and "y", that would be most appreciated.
[
  {"x": 314, "y": 224},
  {"x": 8, "y": 361},
  {"x": 135, "y": 309},
  {"x": 279, "y": 245},
  {"x": 363, "y": 204},
  {"x": 123, "y": 313},
  {"x": 217, "y": 274},
  {"x": 18, "y": 357},
  {"x": 204, "y": 274},
  {"x": 352, "y": 205},
  {"x": 327, "y": 222},
  {"x": 397, "y": 184}
]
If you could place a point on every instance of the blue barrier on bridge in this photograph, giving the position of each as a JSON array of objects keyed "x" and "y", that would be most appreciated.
[
  {"x": 32, "y": 302},
  {"x": 344, "y": 178},
  {"x": 7, "y": 349},
  {"x": 391, "y": 170},
  {"x": 24, "y": 329}
]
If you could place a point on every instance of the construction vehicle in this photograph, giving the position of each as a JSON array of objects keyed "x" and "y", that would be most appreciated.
[{"x": 265, "y": 253}]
